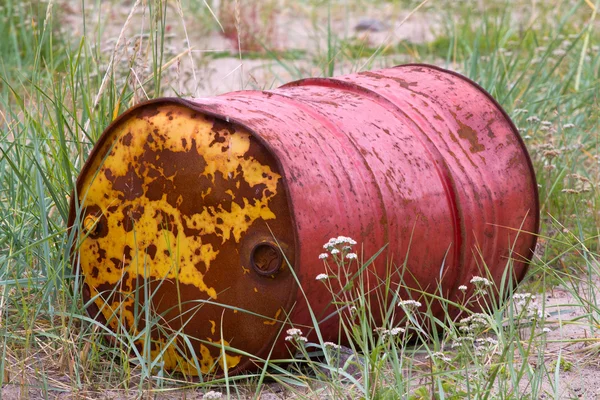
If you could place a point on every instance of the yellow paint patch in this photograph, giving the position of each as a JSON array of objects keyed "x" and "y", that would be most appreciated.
[
  {"x": 131, "y": 181},
  {"x": 274, "y": 321}
]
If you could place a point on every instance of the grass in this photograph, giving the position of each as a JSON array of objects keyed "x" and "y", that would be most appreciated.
[{"x": 66, "y": 74}]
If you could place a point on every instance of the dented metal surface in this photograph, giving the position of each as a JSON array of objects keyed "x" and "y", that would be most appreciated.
[{"x": 184, "y": 204}]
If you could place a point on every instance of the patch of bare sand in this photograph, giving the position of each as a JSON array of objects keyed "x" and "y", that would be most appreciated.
[
  {"x": 193, "y": 44},
  {"x": 572, "y": 338}
]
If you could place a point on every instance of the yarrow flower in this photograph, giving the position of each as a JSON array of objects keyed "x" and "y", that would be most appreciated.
[
  {"x": 528, "y": 305},
  {"x": 295, "y": 335},
  {"x": 395, "y": 331},
  {"x": 390, "y": 332},
  {"x": 293, "y": 331},
  {"x": 479, "y": 281},
  {"x": 486, "y": 346},
  {"x": 533, "y": 118},
  {"x": 296, "y": 338},
  {"x": 351, "y": 256},
  {"x": 459, "y": 341},
  {"x": 546, "y": 330},
  {"x": 340, "y": 240},
  {"x": 568, "y": 126},
  {"x": 212, "y": 395},
  {"x": 475, "y": 323},
  {"x": 323, "y": 256},
  {"x": 322, "y": 277},
  {"x": 462, "y": 288},
  {"x": 334, "y": 251},
  {"x": 409, "y": 304},
  {"x": 332, "y": 345}
]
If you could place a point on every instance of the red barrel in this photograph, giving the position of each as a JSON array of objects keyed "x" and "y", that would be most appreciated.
[{"x": 188, "y": 206}]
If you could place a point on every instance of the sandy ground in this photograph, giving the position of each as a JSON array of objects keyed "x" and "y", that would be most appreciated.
[
  {"x": 198, "y": 74},
  {"x": 572, "y": 339}
]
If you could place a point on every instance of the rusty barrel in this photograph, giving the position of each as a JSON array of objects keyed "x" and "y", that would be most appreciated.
[{"x": 197, "y": 208}]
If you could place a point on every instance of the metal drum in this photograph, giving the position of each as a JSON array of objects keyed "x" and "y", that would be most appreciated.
[{"x": 197, "y": 208}]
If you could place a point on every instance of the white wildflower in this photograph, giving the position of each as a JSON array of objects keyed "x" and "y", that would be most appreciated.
[
  {"x": 521, "y": 111},
  {"x": 409, "y": 304},
  {"x": 339, "y": 241},
  {"x": 521, "y": 299},
  {"x": 546, "y": 123},
  {"x": 462, "y": 288},
  {"x": 294, "y": 332},
  {"x": 296, "y": 338},
  {"x": 323, "y": 256},
  {"x": 568, "y": 126},
  {"x": 475, "y": 323},
  {"x": 546, "y": 330},
  {"x": 322, "y": 277},
  {"x": 351, "y": 256},
  {"x": 479, "y": 281},
  {"x": 332, "y": 345},
  {"x": 396, "y": 330},
  {"x": 212, "y": 395},
  {"x": 390, "y": 332},
  {"x": 334, "y": 251},
  {"x": 533, "y": 118}
]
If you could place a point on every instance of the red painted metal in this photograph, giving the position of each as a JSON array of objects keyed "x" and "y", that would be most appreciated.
[{"x": 415, "y": 157}]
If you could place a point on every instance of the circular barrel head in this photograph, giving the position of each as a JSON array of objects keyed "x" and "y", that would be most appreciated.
[{"x": 184, "y": 231}]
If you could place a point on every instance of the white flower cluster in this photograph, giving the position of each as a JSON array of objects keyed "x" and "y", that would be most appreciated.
[
  {"x": 568, "y": 126},
  {"x": 480, "y": 282},
  {"x": 533, "y": 118},
  {"x": 486, "y": 346},
  {"x": 322, "y": 277},
  {"x": 389, "y": 332},
  {"x": 527, "y": 303},
  {"x": 459, "y": 341},
  {"x": 462, "y": 288},
  {"x": 440, "y": 356},
  {"x": 409, "y": 304},
  {"x": 331, "y": 345},
  {"x": 295, "y": 335},
  {"x": 522, "y": 299},
  {"x": 212, "y": 395},
  {"x": 341, "y": 245},
  {"x": 474, "y": 323},
  {"x": 340, "y": 240}
]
